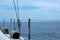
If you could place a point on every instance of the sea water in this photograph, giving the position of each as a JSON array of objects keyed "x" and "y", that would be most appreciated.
[{"x": 39, "y": 30}]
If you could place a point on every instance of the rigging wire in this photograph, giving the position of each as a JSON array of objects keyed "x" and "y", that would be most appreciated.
[
  {"x": 17, "y": 14},
  {"x": 15, "y": 9},
  {"x": 18, "y": 17}
]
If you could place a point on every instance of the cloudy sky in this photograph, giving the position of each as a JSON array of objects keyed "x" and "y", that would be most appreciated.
[{"x": 34, "y": 9}]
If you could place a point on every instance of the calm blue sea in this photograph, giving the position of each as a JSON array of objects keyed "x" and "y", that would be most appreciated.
[{"x": 39, "y": 30}]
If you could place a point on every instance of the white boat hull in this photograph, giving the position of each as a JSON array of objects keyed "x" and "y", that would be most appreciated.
[{"x": 7, "y": 37}]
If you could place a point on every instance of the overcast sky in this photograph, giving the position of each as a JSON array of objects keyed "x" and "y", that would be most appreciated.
[{"x": 34, "y": 9}]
